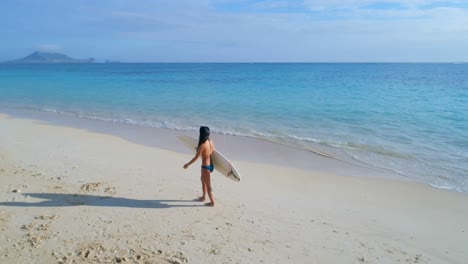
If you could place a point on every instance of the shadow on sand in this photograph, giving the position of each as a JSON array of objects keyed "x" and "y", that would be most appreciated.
[{"x": 64, "y": 199}]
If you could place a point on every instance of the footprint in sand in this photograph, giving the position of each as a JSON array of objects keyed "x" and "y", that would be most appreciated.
[
  {"x": 98, "y": 186},
  {"x": 92, "y": 186},
  {"x": 177, "y": 258},
  {"x": 46, "y": 217},
  {"x": 96, "y": 252},
  {"x": 38, "y": 231}
]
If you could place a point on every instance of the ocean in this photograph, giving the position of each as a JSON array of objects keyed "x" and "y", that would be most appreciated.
[{"x": 410, "y": 119}]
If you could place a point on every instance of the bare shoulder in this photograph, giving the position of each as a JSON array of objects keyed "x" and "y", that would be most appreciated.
[{"x": 205, "y": 145}]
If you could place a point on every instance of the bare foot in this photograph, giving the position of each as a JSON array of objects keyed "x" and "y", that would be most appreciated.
[
  {"x": 202, "y": 198},
  {"x": 210, "y": 204}
]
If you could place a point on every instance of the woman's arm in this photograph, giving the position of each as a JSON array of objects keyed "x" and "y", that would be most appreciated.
[{"x": 197, "y": 155}]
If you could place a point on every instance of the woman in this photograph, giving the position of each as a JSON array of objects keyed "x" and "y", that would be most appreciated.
[{"x": 205, "y": 150}]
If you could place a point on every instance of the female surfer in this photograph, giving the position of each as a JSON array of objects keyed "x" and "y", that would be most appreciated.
[{"x": 205, "y": 150}]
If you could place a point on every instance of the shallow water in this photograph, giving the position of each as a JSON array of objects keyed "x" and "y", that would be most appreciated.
[{"x": 406, "y": 118}]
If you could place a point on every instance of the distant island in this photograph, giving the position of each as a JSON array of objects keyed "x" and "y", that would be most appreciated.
[{"x": 48, "y": 57}]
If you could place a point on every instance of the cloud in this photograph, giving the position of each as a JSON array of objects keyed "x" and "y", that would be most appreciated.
[
  {"x": 364, "y": 35},
  {"x": 274, "y": 4},
  {"x": 49, "y": 48},
  {"x": 322, "y": 5},
  {"x": 247, "y": 30}
]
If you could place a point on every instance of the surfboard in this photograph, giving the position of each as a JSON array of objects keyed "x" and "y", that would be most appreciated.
[{"x": 220, "y": 162}]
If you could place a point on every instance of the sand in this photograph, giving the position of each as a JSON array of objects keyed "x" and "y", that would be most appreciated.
[{"x": 71, "y": 195}]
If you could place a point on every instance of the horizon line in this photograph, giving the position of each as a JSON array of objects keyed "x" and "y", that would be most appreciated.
[{"x": 246, "y": 62}]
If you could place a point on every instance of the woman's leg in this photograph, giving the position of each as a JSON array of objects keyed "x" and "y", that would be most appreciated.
[
  {"x": 203, "y": 197},
  {"x": 208, "y": 185}
]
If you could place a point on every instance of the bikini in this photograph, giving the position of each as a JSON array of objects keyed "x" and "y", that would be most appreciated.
[{"x": 209, "y": 167}]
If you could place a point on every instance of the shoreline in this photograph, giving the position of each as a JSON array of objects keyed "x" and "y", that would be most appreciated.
[
  {"x": 72, "y": 194},
  {"x": 236, "y": 148}
]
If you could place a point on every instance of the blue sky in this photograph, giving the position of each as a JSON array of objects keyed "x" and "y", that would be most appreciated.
[{"x": 238, "y": 31}]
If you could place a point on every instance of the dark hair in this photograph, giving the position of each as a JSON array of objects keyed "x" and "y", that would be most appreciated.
[{"x": 204, "y": 135}]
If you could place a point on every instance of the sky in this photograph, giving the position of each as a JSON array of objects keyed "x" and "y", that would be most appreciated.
[{"x": 238, "y": 30}]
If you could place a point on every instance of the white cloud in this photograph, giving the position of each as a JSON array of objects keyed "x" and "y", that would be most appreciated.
[
  {"x": 273, "y": 4},
  {"x": 201, "y": 32},
  {"x": 320, "y": 5},
  {"x": 49, "y": 48}
]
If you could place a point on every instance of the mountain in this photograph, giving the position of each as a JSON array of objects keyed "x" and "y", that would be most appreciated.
[{"x": 48, "y": 57}]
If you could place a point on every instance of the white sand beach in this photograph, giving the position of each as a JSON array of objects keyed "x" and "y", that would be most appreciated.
[{"x": 71, "y": 195}]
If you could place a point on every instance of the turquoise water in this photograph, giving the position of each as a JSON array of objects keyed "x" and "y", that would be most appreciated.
[{"x": 408, "y": 118}]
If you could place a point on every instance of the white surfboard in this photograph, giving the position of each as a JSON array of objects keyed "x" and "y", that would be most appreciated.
[{"x": 221, "y": 163}]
